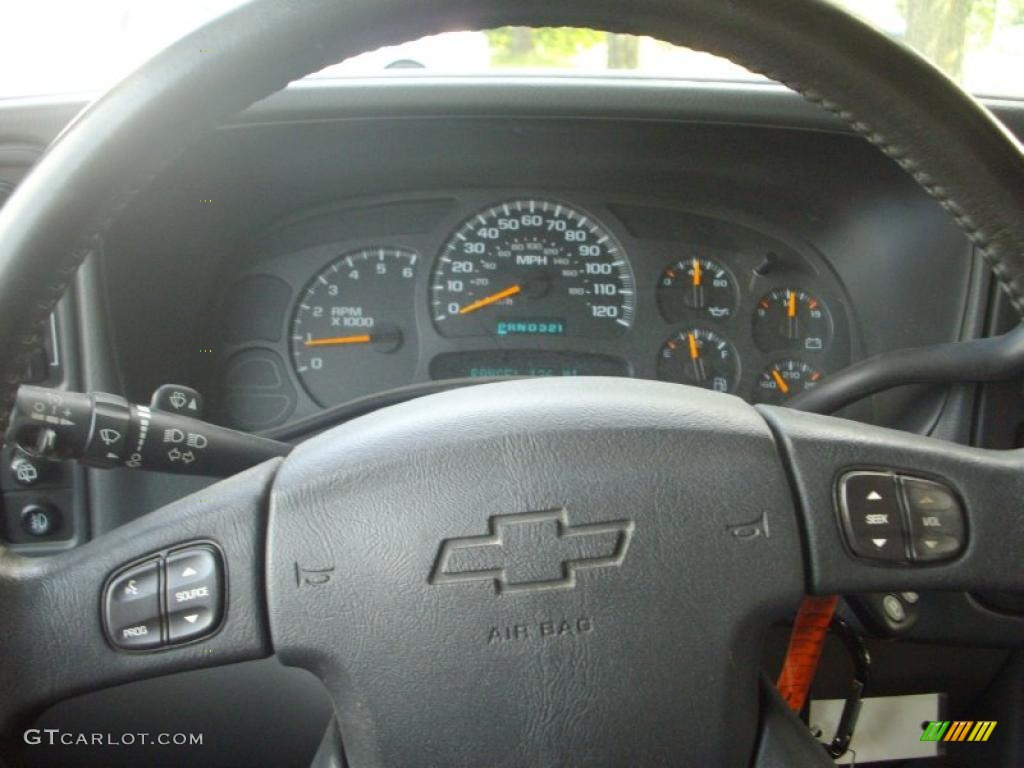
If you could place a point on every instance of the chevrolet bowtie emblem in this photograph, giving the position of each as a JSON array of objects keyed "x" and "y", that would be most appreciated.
[{"x": 532, "y": 550}]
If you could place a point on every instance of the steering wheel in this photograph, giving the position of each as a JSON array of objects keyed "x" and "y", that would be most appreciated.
[{"x": 547, "y": 572}]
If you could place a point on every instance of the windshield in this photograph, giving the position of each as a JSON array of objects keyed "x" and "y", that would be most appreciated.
[{"x": 979, "y": 43}]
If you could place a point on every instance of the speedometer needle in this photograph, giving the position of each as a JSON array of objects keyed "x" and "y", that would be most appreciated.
[
  {"x": 364, "y": 338},
  {"x": 488, "y": 300}
]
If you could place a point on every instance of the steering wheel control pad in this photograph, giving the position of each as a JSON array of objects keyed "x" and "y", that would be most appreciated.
[
  {"x": 537, "y": 571},
  {"x": 900, "y": 519},
  {"x": 168, "y": 599},
  {"x": 966, "y": 500},
  {"x": 53, "y": 608}
]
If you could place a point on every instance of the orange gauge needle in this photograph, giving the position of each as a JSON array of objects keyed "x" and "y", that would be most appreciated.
[
  {"x": 783, "y": 386},
  {"x": 696, "y": 273},
  {"x": 791, "y": 304},
  {"x": 337, "y": 340},
  {"x": 694, "y": 350},
  {"x": 488, "y": 300}
]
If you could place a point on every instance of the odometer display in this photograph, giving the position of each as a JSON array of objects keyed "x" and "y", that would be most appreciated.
[
  {"x": 528, "y": 264},
  {"x": 524, "y": 362}
]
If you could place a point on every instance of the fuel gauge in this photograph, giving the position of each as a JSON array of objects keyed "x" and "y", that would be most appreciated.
[
  {"x": 791, "y": 318},
  {"x": 701, "y": 358},
  {"x": 786, "y": 379}
]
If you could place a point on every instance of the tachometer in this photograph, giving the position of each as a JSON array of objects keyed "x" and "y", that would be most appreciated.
[
  {"x": 353, "y": 329},
  {"x": 532, "y": 268}
]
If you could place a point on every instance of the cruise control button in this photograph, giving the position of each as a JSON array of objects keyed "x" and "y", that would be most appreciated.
[
  {"x": 869, "y": 503},
  {"x": 132, "y": 607}
]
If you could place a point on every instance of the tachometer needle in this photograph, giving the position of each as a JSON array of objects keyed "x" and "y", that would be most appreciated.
[
  {"x": 697, "y": 274},
  {"x": 488, "y": 300},
  {"x": 364, "y": 338},
  {"x": 791, "y": 304},
  {"x": 783, "y": 386}
]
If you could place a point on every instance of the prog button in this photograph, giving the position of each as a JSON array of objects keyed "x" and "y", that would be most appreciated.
[{"x": 132, "y": 607}]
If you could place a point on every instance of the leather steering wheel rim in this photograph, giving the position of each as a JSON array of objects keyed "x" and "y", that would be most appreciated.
[{"x": 948, "y": 142}]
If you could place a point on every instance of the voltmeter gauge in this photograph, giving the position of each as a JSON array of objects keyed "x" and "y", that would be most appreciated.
[
  {"x": 785, "y": 379},
  {"x": 792, "y": 319},
  {"x": 697, "y": 285},
  {"x": 701, "y": 358}
]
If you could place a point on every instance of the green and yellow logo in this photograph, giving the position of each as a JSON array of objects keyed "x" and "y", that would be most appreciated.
[{"x": 958, "y": 730}]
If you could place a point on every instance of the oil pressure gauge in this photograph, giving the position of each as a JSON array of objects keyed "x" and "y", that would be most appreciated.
[
  {"x": 697, "y": 285},
  {"x": 792, "y": 319}
]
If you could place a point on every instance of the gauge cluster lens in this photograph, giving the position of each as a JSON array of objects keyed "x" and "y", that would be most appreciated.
[
  {"x": 353, "y": 331},
  {"x": 701, "y": 358},
  {"x": 699, "y": 286},
  {"x": 792, "y": 319},
  {"x": 786, "y": 379},
  {"x": 478, "y": 284},
  {"x": 532, "y": 268}
]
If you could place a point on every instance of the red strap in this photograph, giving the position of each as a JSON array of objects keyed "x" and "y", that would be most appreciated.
[{"x": 805, "y": 645}]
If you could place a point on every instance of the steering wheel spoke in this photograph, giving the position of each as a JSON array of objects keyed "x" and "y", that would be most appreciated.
[
  {"x": 886, "y": 510},
  {"x": 54, "y": 642}
]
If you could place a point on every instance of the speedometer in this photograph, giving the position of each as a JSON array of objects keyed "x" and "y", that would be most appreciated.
[{"x": 532, "y": 268}]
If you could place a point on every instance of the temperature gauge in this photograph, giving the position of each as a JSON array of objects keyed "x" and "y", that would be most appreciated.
[
  {"x": 786, "y": 379},
  {"x": 789, "y": 318},
  {"x": 697, "y": 285},
  {"x": 701, "y": 358}
]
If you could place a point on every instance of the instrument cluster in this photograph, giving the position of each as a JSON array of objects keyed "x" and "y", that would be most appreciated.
[{"x": 495, "y": 285}]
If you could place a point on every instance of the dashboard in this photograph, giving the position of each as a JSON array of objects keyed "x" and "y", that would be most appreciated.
[
  {"x": 455, "y": 284},
  {"x": 746, "y": 191}
]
